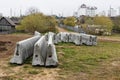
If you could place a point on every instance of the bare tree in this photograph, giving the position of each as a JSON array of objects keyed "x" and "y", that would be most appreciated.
[{"x": 32, "y": 10}]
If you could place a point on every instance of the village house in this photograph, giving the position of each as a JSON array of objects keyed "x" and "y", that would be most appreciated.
[{"x": 6, "y": 25}]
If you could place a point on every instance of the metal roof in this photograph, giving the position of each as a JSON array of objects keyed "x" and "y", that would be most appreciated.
[{"x": 9, "y": 21}]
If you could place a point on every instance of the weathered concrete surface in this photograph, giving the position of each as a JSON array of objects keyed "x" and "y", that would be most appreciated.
[
  {"x": 65, "y": 37},
  {"x": 40, "y": 52},
  {"x": 24, "y": 49},
  {"x": 76, "y": 38},
  {"x": 89, "y": 39},
  {"x": 51, "y": 34},
  {"x": 61, "y": 37},
  {"x": 37, "y": 33},
  {"x": 51, "y": 58},
  {"x": 45, "y": 52},
  {"x": 57, "y": 38}
]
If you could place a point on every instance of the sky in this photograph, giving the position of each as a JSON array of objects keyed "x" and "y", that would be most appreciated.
[{"x": 65, "y": 7}]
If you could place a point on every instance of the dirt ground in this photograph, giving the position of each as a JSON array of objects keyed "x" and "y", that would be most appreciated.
[
  {"x": 61, "y": 29},
  {"x": 7, "y": 43}
]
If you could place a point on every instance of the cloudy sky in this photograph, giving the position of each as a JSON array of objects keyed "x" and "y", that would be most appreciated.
[{"x": 67, "y": 7}]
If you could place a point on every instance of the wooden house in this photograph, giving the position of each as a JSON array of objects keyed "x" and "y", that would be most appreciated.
[{"x": 6, "y": 25}]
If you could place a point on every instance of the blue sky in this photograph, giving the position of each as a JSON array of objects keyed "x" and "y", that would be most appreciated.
[{"x": 67, "y": 7}]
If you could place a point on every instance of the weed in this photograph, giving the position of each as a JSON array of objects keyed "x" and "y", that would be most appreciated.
[{"x": 33, "y": 72}]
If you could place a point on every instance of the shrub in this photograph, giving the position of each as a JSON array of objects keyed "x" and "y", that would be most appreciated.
[
  {"x": 105, "y": 22},
  {"x": 70, "y": 21},
  {"x": 39, "y": 22}
]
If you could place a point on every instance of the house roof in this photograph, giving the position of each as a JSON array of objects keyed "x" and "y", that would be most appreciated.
[
  {"x": 83, "y": 6},
  {"x": 16, "y": 20},
  {"x": 9, "y": 21}
]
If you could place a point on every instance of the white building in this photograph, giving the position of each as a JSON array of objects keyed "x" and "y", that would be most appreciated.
[
  {"x": 84, "y": 10},
  {"x": 112, "y": 12}
]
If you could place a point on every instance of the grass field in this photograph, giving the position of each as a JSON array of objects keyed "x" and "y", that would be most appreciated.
[{"x": 101, "y": 62}]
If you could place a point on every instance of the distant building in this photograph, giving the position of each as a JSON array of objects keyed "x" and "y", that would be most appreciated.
[
  {"x": 16, "y": 20},
  {"x": 103, "y": 13},
  {"x": 6, "y": 25},
  {"x": 85, "y": 10},
  {"x": 112, "y": 12},
  {"x": 75, "y": 14},
  {"x": 91, "y": 11},
  {"x": 82, "y": 10}
]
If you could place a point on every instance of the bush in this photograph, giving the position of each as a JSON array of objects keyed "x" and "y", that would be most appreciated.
[
  {"x": 39, "y": 22},
  {"x": 20, "y": 28},
  {"x": 105, "y": 22},
  {"x": 70, "y": 21},
  {"x": 116, "y": 22}
]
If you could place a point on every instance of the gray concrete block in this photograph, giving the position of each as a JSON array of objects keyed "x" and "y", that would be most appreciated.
[
  {"x": 51, "y": 58},
  {"x": 89, "y": 39},
  {"x": 57, "y": 38},
  {"x": 40, "y": 52},
  {"x": 64, "y": 37},
  {"x": 77, "y": 39},
  {"x": 45, "y": 51},
  {"x": 37, "y": 33},
  {"x": 24, "y": 49}
]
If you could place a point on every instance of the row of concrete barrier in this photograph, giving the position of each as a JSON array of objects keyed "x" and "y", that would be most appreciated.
[
  {"x": 76, "y": 38},
  {"x": 43, "y": 49}
]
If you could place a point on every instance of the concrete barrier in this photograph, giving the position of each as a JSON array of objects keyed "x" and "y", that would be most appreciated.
[
  {"x": 77, "y": 39},
  {"x": 64, "y": 37},
  {"x": 89, "y": 39},
  {"x": 44, "y": 49},
  {"x": 51, "y": 59},
  {"x": 40, "y": 52},
  {"x": 37, "y": 33},
  {"x": 61, "y": 37},
  {"x": 24, "y": 49},
  {"x": 57, "y": 38}
]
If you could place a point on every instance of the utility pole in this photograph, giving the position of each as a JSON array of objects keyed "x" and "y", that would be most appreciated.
[
  {"x": 119, "y": 11},
  {"x": 110, "y": 11},
  {"x": 20, "y": 12},
  {"x": 10, "y": 12}
]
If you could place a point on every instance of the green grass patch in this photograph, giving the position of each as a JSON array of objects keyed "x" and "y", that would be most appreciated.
[
  {"x": 33, "y": 72},
  {"x": 85, "y": 58}
]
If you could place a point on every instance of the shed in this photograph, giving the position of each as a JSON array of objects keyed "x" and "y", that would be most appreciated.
[{"x": 6, "y": 25}]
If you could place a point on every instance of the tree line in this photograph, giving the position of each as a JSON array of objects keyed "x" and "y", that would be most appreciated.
[
  {"x": 35, "y": 20},
  {"x": 105, "y": 23}
]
